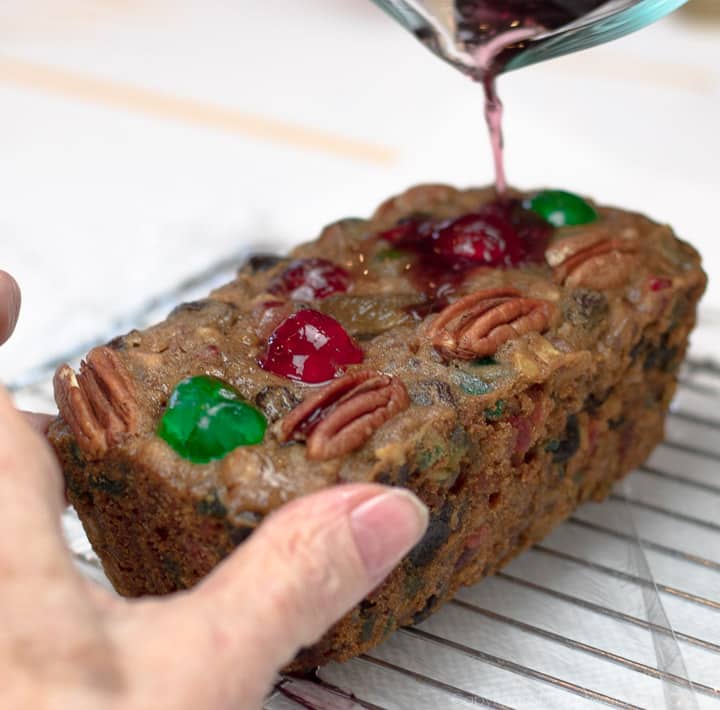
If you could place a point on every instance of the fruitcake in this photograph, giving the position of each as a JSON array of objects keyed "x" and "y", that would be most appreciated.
[{"x": 505, "y": 358}]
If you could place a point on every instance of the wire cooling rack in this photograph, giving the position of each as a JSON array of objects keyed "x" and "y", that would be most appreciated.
[{"x": 619, "y": 607}]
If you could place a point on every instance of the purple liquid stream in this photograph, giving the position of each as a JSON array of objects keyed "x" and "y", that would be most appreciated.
[
  {"x": 495, "y": 31},
  {"x": 493, "y": 118}
]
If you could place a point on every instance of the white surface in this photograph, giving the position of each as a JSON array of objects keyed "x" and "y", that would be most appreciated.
[{"x": 108, "y": 196}]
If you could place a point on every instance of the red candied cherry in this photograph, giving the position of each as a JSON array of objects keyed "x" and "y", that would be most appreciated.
[
  {"x": 658, "y": 283},
  {"x": 534, "y": 232},
  {"x": 523, "y": 436},
  {"x": 311, "y": 347},
  {"x": 310, "y": 279},
  {"x": 499, "y": 234},
  {"x": 481, "y": 238}
]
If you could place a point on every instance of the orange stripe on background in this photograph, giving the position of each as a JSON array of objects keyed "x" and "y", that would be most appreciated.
[{"x": 166, "y": 106}]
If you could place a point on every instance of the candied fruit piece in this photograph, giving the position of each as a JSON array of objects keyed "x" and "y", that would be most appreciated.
[
  {"x": 658, "y": 283},
  {"x": 258, "y": 263},
  {"x": 570, "y": 443},
  {"x": 495, "y": 412},
  {"x": 310, "y": 279},
  {"x": 206, "y": 419},
  {"x": 370, "y": 314},
  {"x": 487, "y": 239},
  {"x": 500, "y": 234},
  {"x": 310, "y": 347},
  {"x": 561, "y": 209}
]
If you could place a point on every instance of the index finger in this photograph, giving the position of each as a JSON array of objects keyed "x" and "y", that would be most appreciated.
[{"x": 9, "y": 305}]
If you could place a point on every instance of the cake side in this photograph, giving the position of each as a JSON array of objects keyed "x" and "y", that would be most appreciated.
[{"x": 506, "y": 399}]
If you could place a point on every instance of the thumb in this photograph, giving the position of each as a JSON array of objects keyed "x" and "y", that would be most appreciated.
[{"x": 305, "y": 567}]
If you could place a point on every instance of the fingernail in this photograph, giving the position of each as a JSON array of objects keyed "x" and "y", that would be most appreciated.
[
  {"x": 12, "y": 305},
  {"x": 386, "y": 527}
]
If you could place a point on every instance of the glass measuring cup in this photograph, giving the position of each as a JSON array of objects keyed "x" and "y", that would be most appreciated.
[{"x": 443, "y": 26}]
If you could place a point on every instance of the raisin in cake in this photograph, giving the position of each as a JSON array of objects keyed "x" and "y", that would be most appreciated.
[{"x": 506, "y": 360}]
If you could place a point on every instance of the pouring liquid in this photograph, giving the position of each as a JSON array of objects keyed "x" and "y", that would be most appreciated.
[{"x": 494, "y": 31}]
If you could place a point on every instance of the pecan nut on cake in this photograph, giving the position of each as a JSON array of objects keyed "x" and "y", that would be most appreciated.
[{"x": 506, "y": 360}]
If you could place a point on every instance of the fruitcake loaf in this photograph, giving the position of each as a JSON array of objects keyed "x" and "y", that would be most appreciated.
[{"x": 505, "y": 359}]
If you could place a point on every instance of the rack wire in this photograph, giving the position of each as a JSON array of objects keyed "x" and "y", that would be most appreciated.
[{"x": 619, "y": 607}]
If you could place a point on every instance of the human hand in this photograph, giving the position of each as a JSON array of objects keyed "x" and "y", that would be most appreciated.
[
  {"x": 67, "y": 643},
  {"x": 10, "y": 300}
]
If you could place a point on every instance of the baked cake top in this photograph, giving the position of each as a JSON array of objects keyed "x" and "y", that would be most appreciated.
[{"x": 432, "y": 321}]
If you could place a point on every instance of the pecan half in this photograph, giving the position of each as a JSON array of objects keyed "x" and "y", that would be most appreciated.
[
  {"x": 99, "y": 403},
  {"x": 481, "y": 322},
  {"x": 575, "y": 240},
  {"x": 344, "y": 414},
  {"x": 594, "y": 261}
]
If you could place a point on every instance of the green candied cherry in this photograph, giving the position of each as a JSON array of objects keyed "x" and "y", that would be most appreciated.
[
  {"x": 484, "y": 361},
  {"x": 470, "y": 384},
  {"x": 206, "y": 419},
  {"x": 561, "y": 209},
  {"x": 496, "y": 412}
]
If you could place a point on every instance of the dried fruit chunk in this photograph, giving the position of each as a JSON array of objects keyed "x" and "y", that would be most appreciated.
[
  {"x": 481, "y": 322},
  {"x": 659, "y": 283},
  {"x": 562, "y": 209},
  {"x": 206, "y": 419},
  {"x": 570, "y": 443},
  {"x": 370, "y": 314},
  {"x": 599, "y": 263},
  {"x": 310, "y": 347},
  {"x": 257, "y": 263},
  {"x": 343, "y": 415},
  {"x": 310, "y": 279},
  {"x": 99, "y": 403}
]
